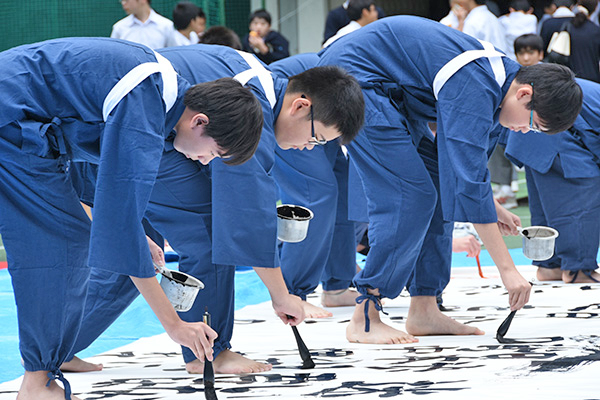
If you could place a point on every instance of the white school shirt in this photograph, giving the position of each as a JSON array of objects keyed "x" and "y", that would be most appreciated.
[
  {"x": 483, "y": 25},
  {"x": 351, "y": 27},
  {"x": 177, "y": 39},
  {"x": 516, "y": 24},
  {"x": 450, "y": 20},
  {"x": 155, "y": 32}
]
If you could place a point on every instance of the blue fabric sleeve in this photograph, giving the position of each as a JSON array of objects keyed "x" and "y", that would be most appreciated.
[
  {"x": 466, "y": 108},
  {"x": 244, "y": 204},
  {"x": 131, "y": 148}
]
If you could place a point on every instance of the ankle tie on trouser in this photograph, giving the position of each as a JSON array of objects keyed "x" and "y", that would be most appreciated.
[
  {"x": 376, "y": 301},
  {"x": 53, "y": 375},
  {"x": 586, "y": 272}
]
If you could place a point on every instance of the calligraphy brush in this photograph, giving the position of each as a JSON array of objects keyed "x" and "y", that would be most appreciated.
[
  {"x": 479, "y": 266},
  {"x": 307, "y": 361},
  {"x": 209, "y": 373},
  {"x": 503, "y": 328}
]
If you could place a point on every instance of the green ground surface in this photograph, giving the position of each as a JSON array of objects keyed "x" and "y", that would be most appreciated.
[{"x": 2, "y": 252}]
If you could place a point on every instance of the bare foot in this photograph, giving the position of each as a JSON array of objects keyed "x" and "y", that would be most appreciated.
[
  {"x": 229, "y": 362},
  {"x": 339, "y": 298},
  {"x": 581, "y": 277},
  {"x": 312, "y": 311},
  {"x": 34, "y": 387},
  {"x": 548, "y": 274},
  {"x": 424, "y": 318},
  {"x": 379, "y": 333},
  {"x": 78, "y": 365}
]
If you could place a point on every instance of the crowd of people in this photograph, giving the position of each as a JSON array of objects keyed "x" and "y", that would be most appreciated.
[{"x": 387, "y": 130}]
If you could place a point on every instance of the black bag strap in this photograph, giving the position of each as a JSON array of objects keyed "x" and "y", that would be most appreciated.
[{"x": 566, "y": 26}]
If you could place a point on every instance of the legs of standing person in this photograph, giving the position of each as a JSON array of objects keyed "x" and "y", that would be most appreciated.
[
  {"x": 432, "y": 271},
  {"x": 306, "y": 178},
  {"x": 572, "y": 207},
  {"x": 109, "y": 294},
  {"x": 180, "y": 209},
  {"x": 46, "y": 235},
  {"x": 400, "y": 200},
  {"x": 340, "y": 268},
  {"x": 548, "y": 270}
]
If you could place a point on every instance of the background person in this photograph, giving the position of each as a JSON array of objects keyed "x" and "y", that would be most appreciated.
[
  {"x": 187, "y": 22},
  {"x": 268, "y": 45},
  {"x": 143, "y": 25}
]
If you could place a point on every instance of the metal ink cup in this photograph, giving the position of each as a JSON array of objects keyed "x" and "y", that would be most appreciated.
[
  {"x": 538, "y": 242},
  {"x": 181, "y": 289},
  {"x": 292, "y": 222}
]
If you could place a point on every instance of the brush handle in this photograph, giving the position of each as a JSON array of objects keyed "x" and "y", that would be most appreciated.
[
  {"x": 307, "y": 361},
  {"x": 209, "y": 373}
]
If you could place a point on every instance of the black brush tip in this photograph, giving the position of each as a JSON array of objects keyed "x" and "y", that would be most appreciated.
[{"x": 209, "y": 390}]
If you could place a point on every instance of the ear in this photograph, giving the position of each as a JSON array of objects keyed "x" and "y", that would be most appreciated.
[
  {"x": 299, "y": 103},
  {"x": 524, "y": 91},
  {"x": 199, "y": 119}
]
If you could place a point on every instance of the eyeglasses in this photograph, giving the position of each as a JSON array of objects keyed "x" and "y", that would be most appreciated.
[
  {"x": 313, "y": 139},
  {"x": 531, "y": 127}
]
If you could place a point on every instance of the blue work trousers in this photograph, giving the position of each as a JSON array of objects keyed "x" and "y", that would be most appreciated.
[
  {"x": 317, "y": 179},
  {"x": 180, "y": 210},
  {"x": 46, "y": 235},
  {"x": 411, "y": 244},
  {"x": 572, "y": 207}
]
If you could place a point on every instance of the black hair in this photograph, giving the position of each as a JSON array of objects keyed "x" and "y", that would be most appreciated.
[
  {"x": 480, "y": 2},
  {"x": 234, "y": 113},
  {"x": 520, "y": 5},
  {"x": 557, "y": 97},
  {"x": 336, "y": 97},
  {"x": 183, "y": 14},
  {"x": 529, "y": 41},
  {"x": 562, "y": 3},
  {"x": 263, "y": 14},
  {"x": 355, "y": 8},
  {"x": 223, "y": 36},
  {"x": 201, "y": 13},
  {"x": 580, "y": 16}
]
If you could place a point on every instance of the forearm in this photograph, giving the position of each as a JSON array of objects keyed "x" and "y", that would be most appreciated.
[
  {"x": 157, "y": 300},
  {"x": 288, "y": 307},
  {"x": 273, "y": 280},
  {"x": 492, "y": 239}
]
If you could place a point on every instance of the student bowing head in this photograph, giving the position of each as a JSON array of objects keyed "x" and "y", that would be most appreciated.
[
  {"x": 543, "y": 98},
  {"x": 221, "y": 119},
  {"x": 320, "y": 104}
]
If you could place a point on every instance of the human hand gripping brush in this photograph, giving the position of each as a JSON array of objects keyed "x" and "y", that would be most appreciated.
[{"x": 503, "y": 328}]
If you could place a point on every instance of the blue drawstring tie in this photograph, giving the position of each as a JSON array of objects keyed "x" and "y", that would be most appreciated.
[
  {"x": 56, "y": 138},
  {"x": 376, "y": 301},
  {"x": 53, "y": 375}
]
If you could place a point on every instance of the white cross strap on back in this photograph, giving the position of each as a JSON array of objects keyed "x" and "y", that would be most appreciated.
[
  {"x": 454, "y": 65},
  {"x": 264, "y": 76},
  {"x": 134, "y": 77}
]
